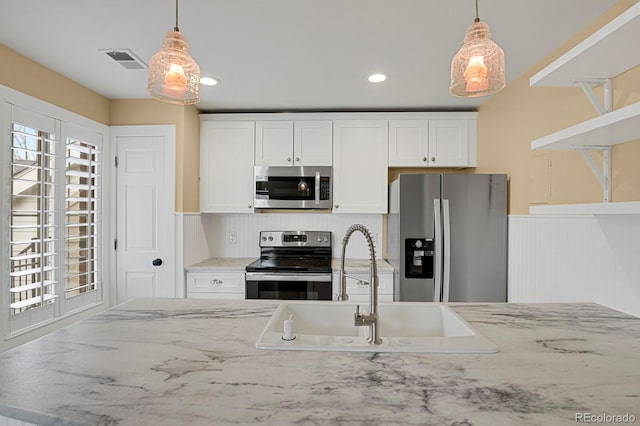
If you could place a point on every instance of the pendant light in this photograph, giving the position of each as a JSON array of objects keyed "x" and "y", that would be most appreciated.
[
  {"x": 174, "y": 76},
  {"x": 478, "y": 67}
]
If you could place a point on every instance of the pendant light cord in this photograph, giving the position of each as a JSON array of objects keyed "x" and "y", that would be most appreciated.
[
  {"x": 177, "y": 29},
  {"x": 477, "y": 18}
]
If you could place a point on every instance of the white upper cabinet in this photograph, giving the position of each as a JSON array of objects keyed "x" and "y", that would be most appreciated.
[
  {"x": 274, "y": 143},
  {"x": 226, "y": 166},
  {"x": 432, "y": 143},
  {"x": 360, "y": 152},
  {"x": 450, "y": 142},
  {"x": 293, "y": 143},
  {"x": 408, "y": 143},
  {"x": 313, "y": 143},
  {"x": 359, "y": 146}
]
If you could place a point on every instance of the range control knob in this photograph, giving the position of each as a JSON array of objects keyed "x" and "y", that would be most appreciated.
[
  {"x": 418, "y": 244},
  {"x": 264, "y": 238}
]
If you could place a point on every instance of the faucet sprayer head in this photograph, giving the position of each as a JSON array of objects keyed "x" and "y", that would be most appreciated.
[{"x": 363, "y": 229}]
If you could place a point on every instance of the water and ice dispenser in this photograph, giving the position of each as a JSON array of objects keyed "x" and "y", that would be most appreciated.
[{"x": 418, "y": 258}]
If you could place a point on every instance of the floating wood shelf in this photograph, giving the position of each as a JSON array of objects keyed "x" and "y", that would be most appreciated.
[{"x": 619, "y": 126}]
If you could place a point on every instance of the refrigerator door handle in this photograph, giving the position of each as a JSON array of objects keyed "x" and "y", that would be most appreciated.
[
  {"x": 446, "y": 226},
  {"x": 437, "y": 275}
]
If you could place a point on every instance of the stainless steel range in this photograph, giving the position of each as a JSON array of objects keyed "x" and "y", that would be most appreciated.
[{"x": 293, "y": 265}]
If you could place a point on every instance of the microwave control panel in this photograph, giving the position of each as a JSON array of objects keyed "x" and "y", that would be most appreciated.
[{"x": 325, "y": 188}]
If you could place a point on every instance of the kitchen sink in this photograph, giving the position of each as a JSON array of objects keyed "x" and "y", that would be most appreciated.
[{"x": 404, "y": 327}]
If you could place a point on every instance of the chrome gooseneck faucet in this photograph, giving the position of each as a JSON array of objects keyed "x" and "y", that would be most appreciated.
[{"x": 370, "y": 319}]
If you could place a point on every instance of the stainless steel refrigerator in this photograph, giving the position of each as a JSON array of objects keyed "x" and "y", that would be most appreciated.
[{"x": 447, "y": 237}]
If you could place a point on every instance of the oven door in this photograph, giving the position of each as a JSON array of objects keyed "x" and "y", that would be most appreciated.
[{"x": 288, "y": 286}]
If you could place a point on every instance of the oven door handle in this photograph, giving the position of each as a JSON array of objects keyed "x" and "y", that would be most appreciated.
[{"x": 260, "y": 276}]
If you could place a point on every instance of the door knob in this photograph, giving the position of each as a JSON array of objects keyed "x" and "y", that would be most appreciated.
[{"x": 156, "y": 262}]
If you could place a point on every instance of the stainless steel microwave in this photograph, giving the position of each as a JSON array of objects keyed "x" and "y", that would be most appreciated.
[{"x": 304, "y": 187}]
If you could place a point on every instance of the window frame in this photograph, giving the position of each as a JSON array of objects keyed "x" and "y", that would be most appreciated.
[{"x": 16, "y": 329}]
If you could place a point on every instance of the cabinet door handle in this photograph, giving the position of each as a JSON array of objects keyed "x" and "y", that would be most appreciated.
[
  {"x": 424, "y": 158},
  {"x": 289, "y": 159},
  {"x": 433, "y": 158},
  {"x": 362, "y": 283},
  {"x": 297, "y": 158},
  {"x": 337, "y": 205},
  {"x": 216, "y": 282},
  {"x": 249, "y": 206}
]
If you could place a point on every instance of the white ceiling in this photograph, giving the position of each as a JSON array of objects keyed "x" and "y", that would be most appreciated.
[{"x": 292, "y": 55}]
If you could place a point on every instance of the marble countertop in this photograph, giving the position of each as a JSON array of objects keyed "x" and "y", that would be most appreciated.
[
  {"x": 239, "y": 263},
  {"x": 220, "y": 264},
  {"x": 186, "y": 361}
]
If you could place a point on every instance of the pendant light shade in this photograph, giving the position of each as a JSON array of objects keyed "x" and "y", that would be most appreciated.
[
  {"x": 174, "y": 76},
  {"x": 478, "y": 67}
]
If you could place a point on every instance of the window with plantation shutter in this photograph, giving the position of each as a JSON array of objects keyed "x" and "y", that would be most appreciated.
[
  {"x": 82, "y": 217},
  {"x": 52, "y": 219},
  {"x": 32, "y": 224}
]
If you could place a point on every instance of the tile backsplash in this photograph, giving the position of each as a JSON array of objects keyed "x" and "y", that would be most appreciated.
[{"x": 236, "y": 235}]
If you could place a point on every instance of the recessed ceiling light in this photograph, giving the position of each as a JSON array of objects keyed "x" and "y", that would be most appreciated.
[
  {"x": 209, "y": 81},
  {"x": 377, "y": 78}
]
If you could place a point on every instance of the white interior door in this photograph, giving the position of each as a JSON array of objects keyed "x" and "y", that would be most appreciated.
[{"x": 145, "y": 210}]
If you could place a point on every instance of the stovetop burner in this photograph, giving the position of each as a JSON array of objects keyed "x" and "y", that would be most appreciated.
[
  {"x": 322, "y": 265},
  {"x": 293, "y": 251}
]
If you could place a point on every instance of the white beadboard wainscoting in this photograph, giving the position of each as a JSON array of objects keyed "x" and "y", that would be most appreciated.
[
  {"x": 194, "y": 240},
  {"x": 576, "y": 258},
  {"x": 213, "y": 235}
]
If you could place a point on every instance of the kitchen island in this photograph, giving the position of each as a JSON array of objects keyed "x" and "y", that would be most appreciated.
[{"x": 183, "y": 361}]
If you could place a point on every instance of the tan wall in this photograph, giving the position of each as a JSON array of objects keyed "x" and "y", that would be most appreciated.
[
  {"x": 24, "y": 75},
  {"x": 147, "y": 111},
  {"x": 34, "y": 79},
  {"x": 191, "y": 165},
  {"x": 511, "y": 119}
]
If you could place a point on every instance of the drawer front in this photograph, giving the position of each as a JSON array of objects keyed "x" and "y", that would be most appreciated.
[
  {"x": 222, "y": 282},
  {"x": 355, "y": 287}
]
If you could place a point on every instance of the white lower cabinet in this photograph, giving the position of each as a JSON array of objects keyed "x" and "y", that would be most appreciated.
[
  {"x": 215, "y": 285},
  {"x": 358, "y": 291},
  {"x": 231, "y": 285}
]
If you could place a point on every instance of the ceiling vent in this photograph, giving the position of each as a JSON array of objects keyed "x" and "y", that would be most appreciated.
[{"x": 126, "y": 58}]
